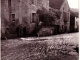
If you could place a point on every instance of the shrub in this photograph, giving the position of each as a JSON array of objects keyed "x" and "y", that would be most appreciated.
[{"x": 47, "y": 16}]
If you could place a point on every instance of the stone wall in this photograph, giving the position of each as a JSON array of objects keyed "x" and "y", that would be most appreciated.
[
  {"x": 65, "y": 9},
  {"x": 22, "y": 9}
]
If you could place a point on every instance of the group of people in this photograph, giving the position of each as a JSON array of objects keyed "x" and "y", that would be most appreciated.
[{"x": 21, "y": 31}]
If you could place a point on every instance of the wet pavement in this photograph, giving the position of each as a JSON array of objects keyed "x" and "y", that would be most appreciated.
[{"x": 55, "y": 47}]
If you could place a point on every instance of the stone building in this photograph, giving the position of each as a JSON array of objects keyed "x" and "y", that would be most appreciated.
[
  {"x": 64, "y": 21},
  {"x": 20, "y": 12},
  {"x": 74, "y": 20}
]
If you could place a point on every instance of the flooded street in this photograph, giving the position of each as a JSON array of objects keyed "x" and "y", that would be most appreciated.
[{"x": 55, "y": 47}]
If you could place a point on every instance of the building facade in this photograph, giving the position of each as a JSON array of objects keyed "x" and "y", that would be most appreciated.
[
  {"x": 20, "y": 12},
  {"x": 72, "y": 21},
  {"x": 63, "y": 6}
]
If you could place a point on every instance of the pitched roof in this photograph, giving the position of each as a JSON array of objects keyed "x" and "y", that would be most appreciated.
[{"x": 56, "y": 3}]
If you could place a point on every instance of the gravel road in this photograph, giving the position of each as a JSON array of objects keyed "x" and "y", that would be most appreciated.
[{"x": 56, "y": 47}]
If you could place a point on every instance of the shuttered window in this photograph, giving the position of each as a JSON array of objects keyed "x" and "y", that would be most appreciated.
[
  {"x": 33, "y": 17},
  {"x": 13, "y": 17}
]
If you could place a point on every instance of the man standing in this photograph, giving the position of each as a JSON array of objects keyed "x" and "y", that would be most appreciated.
[
  {"x": 24, "y": 31},
  {"x": 19, "y": 31}
]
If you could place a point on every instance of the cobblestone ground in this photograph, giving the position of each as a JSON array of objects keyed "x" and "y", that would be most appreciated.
[{"x": 57, "y": 47}]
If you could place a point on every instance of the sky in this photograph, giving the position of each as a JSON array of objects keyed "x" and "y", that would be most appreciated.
[{"x": 73, "y": 3}]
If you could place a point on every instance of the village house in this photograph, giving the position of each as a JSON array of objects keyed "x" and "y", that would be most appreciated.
[
  {"x": 20, "y": 12},
  {"x": 74, "y": 21},
  {"x": 63, "y": 24}
]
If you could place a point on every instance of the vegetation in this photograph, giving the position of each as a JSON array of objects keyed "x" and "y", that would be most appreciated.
[{"x": 48, "y": 16}]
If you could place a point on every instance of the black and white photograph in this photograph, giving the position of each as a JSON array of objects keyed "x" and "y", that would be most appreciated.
[{"x": 39, "y": 29}]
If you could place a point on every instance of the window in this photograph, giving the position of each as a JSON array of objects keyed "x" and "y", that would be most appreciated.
[
  {"x": 13, "y": 17},
  {"x": 33, "y": 17}
]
